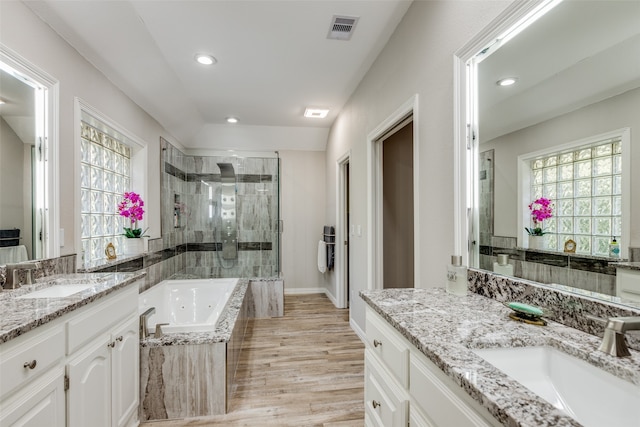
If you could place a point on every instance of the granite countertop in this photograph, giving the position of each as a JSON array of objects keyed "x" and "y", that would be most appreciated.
[
  {"x": 22, "y": 315},
  {"x": 445, "y": 328},
  {"x": 626, "y": 265}
]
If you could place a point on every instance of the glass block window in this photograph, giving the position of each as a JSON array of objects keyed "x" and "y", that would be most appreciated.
[
  {"x": 585, "y": 185},
  {"x": 105, "y": 174}
]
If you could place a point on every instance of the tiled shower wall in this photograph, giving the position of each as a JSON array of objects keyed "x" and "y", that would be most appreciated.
[{"x": 190, "y": 213}]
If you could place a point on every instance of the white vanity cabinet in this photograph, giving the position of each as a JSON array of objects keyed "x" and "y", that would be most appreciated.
[
  {"x": 85, "y": 371},
  {"x": 32, "y": 379},
  {"x": 403, "y": 387},
  {"x": 103, "y": 364}
]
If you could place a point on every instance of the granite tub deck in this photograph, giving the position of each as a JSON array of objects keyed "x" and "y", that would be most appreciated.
[
  {"x": 446, "y": 328},
  {"x": 19, "y": 316},
  {"x": 190, "y": 374}
]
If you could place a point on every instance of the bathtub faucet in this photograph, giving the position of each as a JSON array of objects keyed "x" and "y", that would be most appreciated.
[{"x": 144, "y": 330}]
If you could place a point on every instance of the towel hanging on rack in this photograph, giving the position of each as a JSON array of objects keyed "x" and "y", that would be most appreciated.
[{"x": 322, "y": 257}]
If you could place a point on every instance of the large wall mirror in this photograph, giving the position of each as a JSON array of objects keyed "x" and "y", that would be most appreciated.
[
  {"x": 27, "y": 159},
  {"x": 566, "y": 127}
]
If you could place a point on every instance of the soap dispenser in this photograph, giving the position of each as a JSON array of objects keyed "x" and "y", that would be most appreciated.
[
  {"x": 614, "y": 248},
  {"x": 456, "y": 276}
]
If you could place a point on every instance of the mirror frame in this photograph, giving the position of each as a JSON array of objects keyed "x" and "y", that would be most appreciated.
[
  {"x": 516, "y": 17},
  {"x": 50, "y": 165}
]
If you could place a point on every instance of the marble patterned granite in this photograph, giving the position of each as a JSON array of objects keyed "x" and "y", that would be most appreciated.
[
  {"x": 22, "y": 315},
  {"x": 446, "y": 329},
  {"x": 626, "y": 265},
  {"x": 222, "y": 332}
]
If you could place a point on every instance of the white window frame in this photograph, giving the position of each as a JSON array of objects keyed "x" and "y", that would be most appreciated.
[
  {"x": 84, "y": 112},
  {"x": 524, "y": 183}
]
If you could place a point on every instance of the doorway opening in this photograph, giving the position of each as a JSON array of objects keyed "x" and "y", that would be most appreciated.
[
  {"x": 397, "y": 206},
  {"x": 342, "y": 232}
]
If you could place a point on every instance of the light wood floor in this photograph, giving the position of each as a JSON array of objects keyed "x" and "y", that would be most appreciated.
[{"x": 304, "y": 369}]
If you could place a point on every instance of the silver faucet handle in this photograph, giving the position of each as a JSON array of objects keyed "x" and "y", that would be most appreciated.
[
  {"x": 623, "y": 324},
  {"x": 158, "y": 332},
  {"x": 613, "y": 342}
]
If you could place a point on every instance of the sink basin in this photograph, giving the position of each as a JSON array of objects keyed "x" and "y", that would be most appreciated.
[
  {"x": 590, "y": 395},
  {"x": 57, "y": 291}
]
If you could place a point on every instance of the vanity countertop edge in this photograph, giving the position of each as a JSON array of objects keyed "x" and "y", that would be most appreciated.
[
  {"x": 20, "y": 316},
  {"x": 446, "y": 328}
]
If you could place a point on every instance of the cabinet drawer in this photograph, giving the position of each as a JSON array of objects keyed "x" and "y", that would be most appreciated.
[
  {"x": 385, "y": 404},
  {"x": 442, "y": 400},
  {"x": 23, "y": 360},
  {"x": 389, "y": 346},
  {"x": 100, "y": 316}
]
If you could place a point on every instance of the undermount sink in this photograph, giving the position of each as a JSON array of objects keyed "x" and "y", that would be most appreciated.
[
  {"x": 588, "y": 394},
  {"x": 57, "y": 291}
]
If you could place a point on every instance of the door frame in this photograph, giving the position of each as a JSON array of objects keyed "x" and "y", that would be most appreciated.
[
  {"x": 342, "y": 232},
  {"x": 374, "y": 192}
]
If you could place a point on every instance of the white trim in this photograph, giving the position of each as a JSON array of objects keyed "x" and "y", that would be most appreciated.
[
  {"x": 342, "y": 233},
  {"x": 51, "y": 146},
  {"x": 465, "y": 122},
  {"x": 331, "y": 298},
  {"x": 304, "y": 291},
  {"x": 374, "y": 185},
  {"x": 359, "y": 332},
  {"x": 524, "y": 173}
]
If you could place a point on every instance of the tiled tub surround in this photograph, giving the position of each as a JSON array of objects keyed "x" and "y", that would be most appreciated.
[
  {"x": 190, "y": 374},
  {"x": 446, "y": 328},
  {"x": 22, "y": 315},
  {"x": 580, "y": 271}
]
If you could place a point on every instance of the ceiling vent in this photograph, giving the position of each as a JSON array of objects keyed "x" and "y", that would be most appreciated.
[{"x": 342, "y": 27}]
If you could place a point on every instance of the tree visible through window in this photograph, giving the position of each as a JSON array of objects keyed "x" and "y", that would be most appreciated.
[{"x": 585, "y": 184}]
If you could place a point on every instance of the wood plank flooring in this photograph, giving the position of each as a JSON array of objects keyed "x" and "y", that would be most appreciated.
[{"x": 303, "y": 369}]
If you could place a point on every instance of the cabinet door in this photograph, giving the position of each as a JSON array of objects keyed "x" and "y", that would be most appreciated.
[
  {"x": 89, "y": 394},
  {"x": 125, "y": 376},
  {"x": 39, "y": 404}
]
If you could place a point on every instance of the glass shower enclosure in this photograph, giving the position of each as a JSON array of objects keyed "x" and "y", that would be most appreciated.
[{"x": 222, "y": 213}]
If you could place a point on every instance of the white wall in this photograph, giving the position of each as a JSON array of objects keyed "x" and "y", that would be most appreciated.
[
  {"x": 26, "y": 34},
  {"x": 605, "y": 116},
  {"x": 418, "y": 59},
  {"x": 303, "y": 195},
  {"x": 11, "y": 168}
]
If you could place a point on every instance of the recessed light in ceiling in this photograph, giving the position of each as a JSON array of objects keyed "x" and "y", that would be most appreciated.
[
  {"x": 316, "y": 113},
  {"x": 507, "y": 81},
  {"x": 205, "y": 59},
  {"x": 232, "y": 120}
]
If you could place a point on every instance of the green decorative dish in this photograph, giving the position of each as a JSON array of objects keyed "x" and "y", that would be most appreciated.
[{"x": 527, "y": 309}]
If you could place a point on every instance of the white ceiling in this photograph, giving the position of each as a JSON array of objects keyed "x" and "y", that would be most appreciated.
[
  {"x": 581, "y": 52},
  {"x": 274, "y": 59},
  {"x": 19, "y": 110}
]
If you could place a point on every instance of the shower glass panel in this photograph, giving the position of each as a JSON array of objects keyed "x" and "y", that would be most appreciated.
[{"x": 218, "y": 236}]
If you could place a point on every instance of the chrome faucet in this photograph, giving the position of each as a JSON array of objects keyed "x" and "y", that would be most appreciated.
[
  {"x": 613, "y": 342},
  {"x": 144, "y": 330},
  {"x": 13, "y": 279}
]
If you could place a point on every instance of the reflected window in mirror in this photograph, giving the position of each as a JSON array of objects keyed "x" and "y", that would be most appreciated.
[{"x": 584, "y": 181}]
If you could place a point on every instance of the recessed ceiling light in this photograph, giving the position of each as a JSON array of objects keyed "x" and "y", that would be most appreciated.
[
  {"x": 232, "y": 120},
  {"x": 205, "y": 59},
  {"x": 316, "y": 113},
  {"x": 507, "y": 81}
]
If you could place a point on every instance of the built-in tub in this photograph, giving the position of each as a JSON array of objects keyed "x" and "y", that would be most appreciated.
[
  {"x": 189, "y": 370},
  {"x": 187, "y": 305}
]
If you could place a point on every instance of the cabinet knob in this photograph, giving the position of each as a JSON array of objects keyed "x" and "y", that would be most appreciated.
[
  {"x": 119, "y": 338},
  {"x": 375, "y": 404},
  {"x": 377, "y": 343},
  {"x": 30, "y": 365},
  {"x": 111, "y": 344}
]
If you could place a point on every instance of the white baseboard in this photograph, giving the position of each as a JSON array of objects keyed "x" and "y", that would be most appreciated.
[
  {"x": 359, "y": 332},
  {"x": 302, "y": 291},
  {"x": 331, "y": 298}
]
